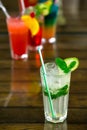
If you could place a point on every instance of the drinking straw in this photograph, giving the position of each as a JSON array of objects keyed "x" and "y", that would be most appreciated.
[
  {"x": 4, "y": 10},
  {"x": 45, "y": 80},
  {"x": 23, "y": 6}
]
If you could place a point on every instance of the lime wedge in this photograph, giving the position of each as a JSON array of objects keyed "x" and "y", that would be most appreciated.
[
  {"x": 68, "y": 64},
  {"x": 72, "y": 63}
]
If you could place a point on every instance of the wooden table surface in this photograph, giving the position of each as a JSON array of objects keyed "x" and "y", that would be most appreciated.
[{"x": 21, "y": 104}]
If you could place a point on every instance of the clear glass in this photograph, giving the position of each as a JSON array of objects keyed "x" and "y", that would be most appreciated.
[
  {"x": 59, "y": 90},
  {"x": 18, "y": 36}
]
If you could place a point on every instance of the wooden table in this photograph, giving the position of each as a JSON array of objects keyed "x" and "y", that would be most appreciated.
[{"x": 21, "y": 104}]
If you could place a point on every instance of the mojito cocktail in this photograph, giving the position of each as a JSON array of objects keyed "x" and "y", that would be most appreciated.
[
  {"x": 59, "y": 89},
  {"x": 18, "y": 36},
  {"x": 58, "y": 76}
]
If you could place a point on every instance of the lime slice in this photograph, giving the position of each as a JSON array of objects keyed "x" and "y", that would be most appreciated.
[
  {"x": 31, "y": 23},
  {"x": 68, "y": 64},
  {"x": 72, "y": 63}
]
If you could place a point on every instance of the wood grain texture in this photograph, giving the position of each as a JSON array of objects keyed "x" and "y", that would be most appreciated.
[
  {"x": 46, "y": 126},
  {"x": 21, "y": 103}
]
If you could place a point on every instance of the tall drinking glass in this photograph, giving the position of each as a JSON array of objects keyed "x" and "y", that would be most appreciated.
[
  {"x": 18, "y": 36},
  {"x": 59, "y": 84},
  {"x": 35, "y": 41},
  {"x": 28, "y": 7},
  {"x": 50, "y": 24}
]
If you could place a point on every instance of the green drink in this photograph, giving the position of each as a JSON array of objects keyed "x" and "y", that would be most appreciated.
[{"x": 58, "y": 81}]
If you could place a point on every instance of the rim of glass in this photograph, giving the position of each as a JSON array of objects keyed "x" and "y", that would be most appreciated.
[{"x": 59, "y": 75}]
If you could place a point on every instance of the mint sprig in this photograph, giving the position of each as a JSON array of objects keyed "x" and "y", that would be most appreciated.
[
  {"x": 62, "y": 65},
  {"x": 60, "y": 92}
]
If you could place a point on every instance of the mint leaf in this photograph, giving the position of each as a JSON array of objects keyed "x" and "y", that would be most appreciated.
[
  {"x": 64, "y": 88},
  {"x": 60, "y": 92},
  {"x": 62, "y": 65}
]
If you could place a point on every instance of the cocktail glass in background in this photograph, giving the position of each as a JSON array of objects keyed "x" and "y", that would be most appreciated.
[
  {"x": 18, "y": 36},
  {"x": 58, "y": 84},
  {"x": 27, "y": 7},
  {"x": 34, "y": 30},
  {"x": 35, "y": 41},
  {"x": 49, "y": 10},
  {"x": 50, "y": 24}
]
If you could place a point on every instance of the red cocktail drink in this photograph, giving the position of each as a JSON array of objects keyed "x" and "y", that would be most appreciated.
[
  {"x": 34, "y": 30},
  {"x": 18, "y": 35},
  {"x": 28, "y": 7},
  {"x": 35, "y": 41}
]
